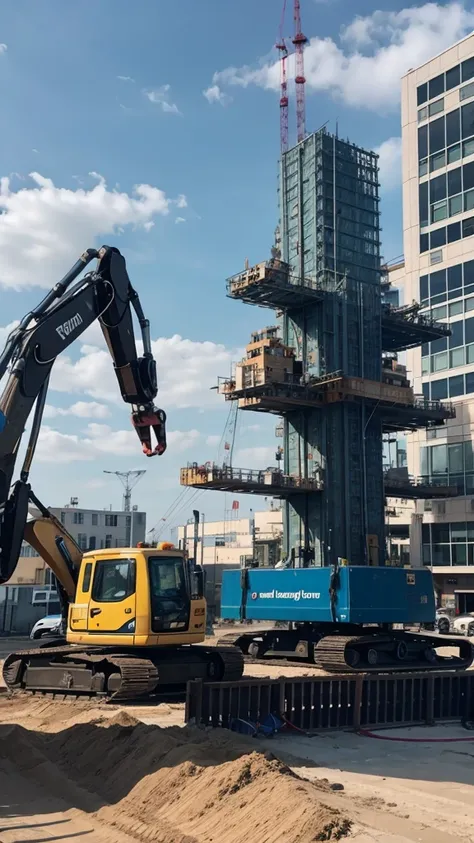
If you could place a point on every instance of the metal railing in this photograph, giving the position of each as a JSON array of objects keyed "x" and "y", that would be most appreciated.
[
  {"x": 268, "y": 477},
  {"x": 421, "y": 403},
  {"x": 409, "y": 480},
  {"x": 335, "y": 702},
  {"x": 409, "y": 314}
]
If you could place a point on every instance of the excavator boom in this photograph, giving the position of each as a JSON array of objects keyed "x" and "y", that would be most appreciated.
[{"x": 72, "y": 305}]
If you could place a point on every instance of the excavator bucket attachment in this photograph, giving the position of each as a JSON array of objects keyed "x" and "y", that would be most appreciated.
[
  {"x": 144, "y": 421},
  {"x": 12, "y": 528}
]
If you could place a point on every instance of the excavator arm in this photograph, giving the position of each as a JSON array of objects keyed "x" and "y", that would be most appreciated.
[{"x": 107, "y": 295}]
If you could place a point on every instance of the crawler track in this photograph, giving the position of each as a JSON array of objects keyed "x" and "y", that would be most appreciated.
[
  {"x": 105, "y": 673},
  {"x": 371, "y": 652}
]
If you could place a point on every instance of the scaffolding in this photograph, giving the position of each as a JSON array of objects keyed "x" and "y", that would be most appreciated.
[{"x": 330, "y": 370}]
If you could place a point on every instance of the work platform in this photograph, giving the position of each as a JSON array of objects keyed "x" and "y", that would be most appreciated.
[
  {"x": 272, "y": 482},
  {"x": 405, "y": 327},
  {"x": 271, "y": 284},
  {"x": 399, "y": 408},
  {"x": 416, "y": 488}
]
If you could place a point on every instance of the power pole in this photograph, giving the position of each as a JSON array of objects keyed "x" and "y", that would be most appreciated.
[{"x": 129, "y": 479}]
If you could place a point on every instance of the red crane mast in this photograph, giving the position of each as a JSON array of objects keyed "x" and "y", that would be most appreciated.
[
  {"x": 283, "y": 50},
  {"x": 299, "y": 40}
]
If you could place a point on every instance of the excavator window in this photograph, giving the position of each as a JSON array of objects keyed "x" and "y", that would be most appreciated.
[
  {"x": 86, "y": 583},
  {"x": 169, "y": 592},
  {"x": 114, "y": 580}
]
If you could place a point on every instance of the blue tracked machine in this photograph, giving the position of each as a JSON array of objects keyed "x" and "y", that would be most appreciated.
[{"x": 341, "y": 618}]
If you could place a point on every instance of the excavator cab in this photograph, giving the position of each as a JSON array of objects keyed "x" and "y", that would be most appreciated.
[{"x": 136, "y": 597}]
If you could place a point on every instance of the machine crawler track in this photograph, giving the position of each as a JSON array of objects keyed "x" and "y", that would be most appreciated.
[
  {"x": 373, "y": 651},
  {"x": 390, "y": 652},
  {"x": 116, "y": 676}
]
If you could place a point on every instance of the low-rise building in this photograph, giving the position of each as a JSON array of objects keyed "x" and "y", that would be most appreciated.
[
  {"x": 91, "y": 529},
  {"x": 232, "y": 543}
]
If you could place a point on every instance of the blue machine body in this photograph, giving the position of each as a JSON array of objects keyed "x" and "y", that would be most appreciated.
[{"x": 363, "y": 595}]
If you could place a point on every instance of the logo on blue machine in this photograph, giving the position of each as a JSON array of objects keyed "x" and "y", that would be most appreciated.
[{"x": 254, "y": 595}]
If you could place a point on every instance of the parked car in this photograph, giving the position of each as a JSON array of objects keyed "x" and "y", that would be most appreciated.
[
  {"x": 464, "y": 624},
  {"x": 50, "y": 625}
]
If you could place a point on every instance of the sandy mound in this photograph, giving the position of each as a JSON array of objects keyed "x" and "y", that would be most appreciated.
[{"x": 169, "y": 785}]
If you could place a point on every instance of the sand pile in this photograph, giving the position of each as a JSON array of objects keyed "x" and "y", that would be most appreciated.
[{"x": 169, "y": 785}]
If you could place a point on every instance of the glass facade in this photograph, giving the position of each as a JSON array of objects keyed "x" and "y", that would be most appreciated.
[
  {"x": 449, "y": 465},
  {"x": 448, "y": 544},
  {"x": 445, "y": 137},
  {"x": 445, "y": 81}
]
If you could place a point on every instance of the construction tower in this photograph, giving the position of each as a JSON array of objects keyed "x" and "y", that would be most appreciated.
[{"x": 328, "y": 362}]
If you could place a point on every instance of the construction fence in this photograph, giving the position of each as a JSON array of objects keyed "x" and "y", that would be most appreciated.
[{"x": 342, "y": 702}]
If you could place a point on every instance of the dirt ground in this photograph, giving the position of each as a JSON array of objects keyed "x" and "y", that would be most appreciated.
[
  {"x": 106, "y": 773},
  {"x": 136, "y": 773}
]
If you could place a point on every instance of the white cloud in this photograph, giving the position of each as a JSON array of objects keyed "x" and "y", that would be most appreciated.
[
  {"x": 213, "y": 440},
  {"x": 100, "y": 439},
  {"x": 179, "y": 220},
  {"x": 43, "y": 228},
  {"x": 215, "y": 94},
  {"x": 251, "y": 427},
  {"x": 390, "y": 164},
  {"x": 375, "y": 51},
  {"x": 187, "y": 371},
  {"x": 3, "y": 49},
  {"x": 6, "y": 331},
  {"x": 126, "y": 78},
  {"x": 258, "y": 457},
  {"x": 81, "y": 409},
  {"x": 161, "y": 96}
]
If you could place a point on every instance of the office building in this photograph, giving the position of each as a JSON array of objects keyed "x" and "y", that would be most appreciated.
[{"x": 438, "y": 230}]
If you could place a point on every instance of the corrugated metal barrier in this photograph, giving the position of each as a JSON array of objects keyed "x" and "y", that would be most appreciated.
[{"x": 335, "y": 702}]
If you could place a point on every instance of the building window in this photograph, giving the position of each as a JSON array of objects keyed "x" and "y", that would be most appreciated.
[
  {"x": 63, "y": 517},
  {"x": 440, "y": 285},
  {"x": 451, "y": 543},
  {"x": 436, "y": 107},
  {"x": 453, "y": 78},
  {"x": 454, "y": 153},
  {"x": 422, "y": 93},
  {"x": 467, "y": 92},
  {"x": 82, "y": 541},
  {"x": 78, "y": 518},
  {"x": 467, "y": 69},
  {"x": 436, "y": 257},
  {"x": 110, "y": 520},
  {"x": 95, "y": 519},
  {"x": 92, "y": 542},
  {"x": 108, "y": 540},
  {"x": 439, "y": 389}
]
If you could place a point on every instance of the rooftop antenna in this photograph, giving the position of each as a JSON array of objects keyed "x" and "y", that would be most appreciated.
[
  {"x": 299, "y": 40},
  {"x": 129, "y": 479},
  {"x": 283, "y": 50}
]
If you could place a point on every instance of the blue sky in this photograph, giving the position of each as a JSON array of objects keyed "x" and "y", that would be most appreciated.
[{"x": 195, "y": 116}]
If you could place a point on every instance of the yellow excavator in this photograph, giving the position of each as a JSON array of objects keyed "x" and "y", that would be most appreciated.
[{"x": 130, "y": 615}]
